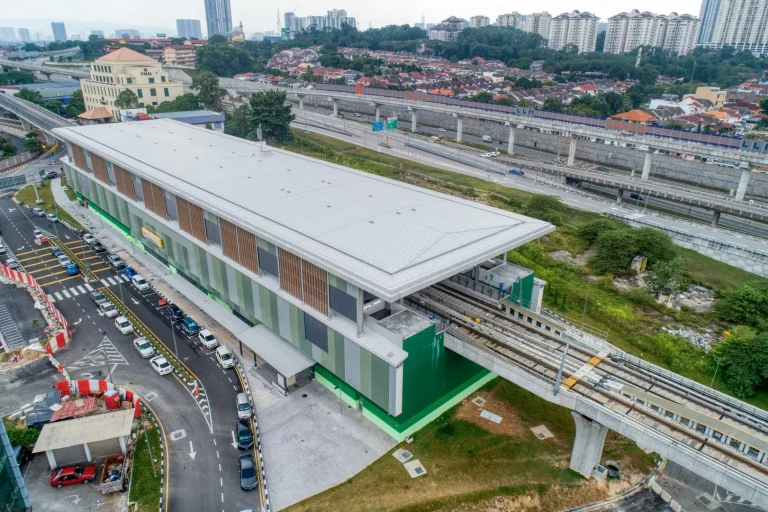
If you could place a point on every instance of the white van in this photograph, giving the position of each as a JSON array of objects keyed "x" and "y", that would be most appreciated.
[{"x": 487, "y": 138}]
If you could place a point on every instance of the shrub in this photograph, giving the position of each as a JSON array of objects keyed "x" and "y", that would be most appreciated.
[
  {"x": 546, "y": 208},
  {"x": 615, "y": 251},
  {"x": 747, "y": 305},
  {"x": 590, "y": 231}
]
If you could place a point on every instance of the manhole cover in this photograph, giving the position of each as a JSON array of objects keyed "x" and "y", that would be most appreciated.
[{"x": 478, "y": 401}]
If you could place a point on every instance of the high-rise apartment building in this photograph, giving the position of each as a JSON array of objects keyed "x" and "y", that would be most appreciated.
[
  {"x": 127, "y": 33},
  {"x": 189, "y": 29},
  {"x": 708, "y": 17},
  {"x": 574, "y": 28},
  {"x": 627, "y": 31},
  {"x": 98, "y": 33},
  {"x": 479, "y": 21},
  {"x": 334, "y": 18},
  {"x": 218, "y": 17},
  {"x": 536, "y": 23},
  {"x": 24, "y": 36},
  {"x": 7, "y": 34},
  {"x": 447, "y": 30},
  {"x": 59, "y": 31},
  {"x": 127, "y": 69},
  {"x": 741, "y": 24}
]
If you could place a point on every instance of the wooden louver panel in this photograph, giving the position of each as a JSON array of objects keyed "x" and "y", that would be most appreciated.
[
  {"x": 247, "y": 244},
  {"x": 198, "y": 222},
  {"x": 229, "y": 240},
  {"x": 79, "y": 155},
  {"x": 185, "y": 222},
  {"x": 290, "y": 273},
  {"x": 99, "y": 168},
  {"x": 159, "y": 200},
  {"x": 149, "y": 201},
  {"x": 315, "y": 287},
  {"x": 124, "y": 182}
]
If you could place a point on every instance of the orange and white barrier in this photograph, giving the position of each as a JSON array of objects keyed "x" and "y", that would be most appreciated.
[
  {"x": 98, "y": 388},
  {"x": 59, "y": 339}
]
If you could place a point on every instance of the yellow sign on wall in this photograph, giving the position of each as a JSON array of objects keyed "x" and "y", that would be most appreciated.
[{"x": 156, "y": 240}]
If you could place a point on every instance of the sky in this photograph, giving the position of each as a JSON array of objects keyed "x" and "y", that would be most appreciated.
[{"x": 151, "y": 16}]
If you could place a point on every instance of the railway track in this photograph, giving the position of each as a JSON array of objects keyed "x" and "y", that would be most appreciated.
[{"x": 609, "y": 383}]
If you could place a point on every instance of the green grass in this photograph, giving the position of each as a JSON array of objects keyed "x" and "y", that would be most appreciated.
[
  {"x": 27, "y": 194},
  {"x": 192, "y": 72},
  {"x": 69, "y": 191},
  {"x": 716, "y": 274},
  {"x": 146, "y": 489},
  {"x": 467, "y": 464}
]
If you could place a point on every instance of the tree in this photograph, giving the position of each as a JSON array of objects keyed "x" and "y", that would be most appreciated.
[
  {"x": 654, "y": 245},
  {"x": 180, "y": 104},
  {"x": 206, "y": 85},
  {"x": 668, "y": 274},
  {"x": 93, "y": 47},
  {"x": 600, "y": 42},
  {"x": 6, "y": 147},
  {"x": 546, "y": 208},
  {"x": 32, "y": 143},
  {"x": 743, "y": 357},
  {"x": 222, "y": 59},
  {"x": 614, "y": 252},
  {"x": 747, "y": 305},
  {"x": 217, "y": 39},
  {"x": 76, "y": 104},
  {"x": 591, "y": 231},
  {"x": 764, "y": 105},
  {"x": 126, "y": 99},
  {"x": 30, "y": 95},
  {"x": 16, "y": 78},
  {"x": 553, "y": 104},
  {"x": 238, "y": 122},
  {"x": 270, "y": 112}
]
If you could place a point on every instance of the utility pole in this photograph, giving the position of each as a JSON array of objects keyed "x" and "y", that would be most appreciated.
[
  {"x": 584, "y": 309},
  {"x": 694, "y": 69}
]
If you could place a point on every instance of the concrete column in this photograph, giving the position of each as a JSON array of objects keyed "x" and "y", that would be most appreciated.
[
  {"x": 51, "y": 459},
  {"x": 459, "y": 128},
  {"x": 619, "y": 195},
  {"x": 741, "y": 189},
  {"x": 414, "y": 120},
  {"x": 360, "y": 297},
  {"x": 588, "y": 444},
  {"x": 123, "y": 445},
  {"x": 378, "y": 113},
  {"x": 26, "y": 125},
  {"x": 511, "y": 143},
  {"x": 301, "y": 102},
  {"x": 335, "y": 108},
  {"x": 647, "y": 165},
  {"x": 87, "y": 452},
  {"x": 715, "y": 218},
  {"x": 49, "y": 139},
  {"x": 572, "y": 152}
]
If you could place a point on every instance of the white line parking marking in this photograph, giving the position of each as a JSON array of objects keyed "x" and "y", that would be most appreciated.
[{"x": 66, "y": 294}]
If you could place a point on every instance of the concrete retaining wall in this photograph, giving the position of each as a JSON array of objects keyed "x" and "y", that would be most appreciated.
[{"x": 664, "y": 167}]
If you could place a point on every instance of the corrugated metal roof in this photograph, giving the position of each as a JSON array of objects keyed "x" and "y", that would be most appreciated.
[
  {"x": 193, "y": 116},
  {"x": 281, "y": 355},
  {"x": 386, "y": 236},
  {"x": 90, "y": 429}
]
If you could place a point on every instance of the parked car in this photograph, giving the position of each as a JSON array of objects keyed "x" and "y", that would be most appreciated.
[
  {"x": 243, "y": 406},
  {"x": 56, "y": 251},
  {"x": 98, "y": 247},
  {"x": 224, "y": 357},
  {"x": 161, "y": 365},
  {"x": 72, "y": 269},
  {"x": 98, "y": 298},
  {"x": 487, "y": 138},
  {"x": 71, "y": 475},
  {"x": 129, "y": 272},
  {"x": 441, "y": 130},
  {"x": 140, "y": 283},
  {"x": 51, "y": 175},
  {"x": 115, "y": 261},
  {"x": 189, "y": 327},
  {"x": 64, "y": 260},
  {"x": 12, "y": 264},
  {"x": 52, "y": 217},
  {"x": 88, "y": 238},
  {"x": 244, "y": 434},
  {"x": 207, "y": 338},
  {"x": 516, "y": 172},
  {"x": 248, "y": 480},
  {"x": 39, "y": 212},
  {"x": 494, "y": 154},
  {"x": 123, "y": 325},
  {"x": 485, "y": 155},
  {"x": 175, "y": 313},
  {"x": 108, "y": 310},
  {"x": 22, "y": 454},
  {"x": 38, "y": 234},
  {"x": 638, "y": 196},
  {"x": 146, "y": 350}
]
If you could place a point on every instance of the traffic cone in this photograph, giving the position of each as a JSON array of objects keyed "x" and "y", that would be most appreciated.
[{"x": 196, "y": 391}]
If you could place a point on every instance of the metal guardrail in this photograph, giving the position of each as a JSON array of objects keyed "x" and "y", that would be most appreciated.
[{"x": 13, "y": 181}]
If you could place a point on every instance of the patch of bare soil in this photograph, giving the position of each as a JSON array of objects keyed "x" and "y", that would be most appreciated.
[
  {"x": 510, "y": 424},
  {"x": 629, "y": 283},
  {"x": 580, "y": 260}
]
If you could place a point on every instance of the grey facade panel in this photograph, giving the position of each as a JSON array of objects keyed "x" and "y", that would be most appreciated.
[
  {"x": 352, "y": 363},
  {"x": 316, "y": 332},
  {"x": 268, "y": 262},
  {"x": 232, "y": 284},
  {"x": 342, "y": 302},
  {"x": 284, "y": 318},
  {"x": 256, "y": 301}
]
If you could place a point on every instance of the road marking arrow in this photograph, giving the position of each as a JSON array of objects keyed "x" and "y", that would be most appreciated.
[
  {"x": 78, "y": 321},
  {"x": 234, "y": 441},
  {"x": 66, "y": 236},
  {"x": 135, "y": 301},
  {"x": 192, "y": 451},
  {"x": 77, "y": 498}
]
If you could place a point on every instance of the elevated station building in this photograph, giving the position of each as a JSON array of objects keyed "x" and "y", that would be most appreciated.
[{"x": 319, "y": 254}]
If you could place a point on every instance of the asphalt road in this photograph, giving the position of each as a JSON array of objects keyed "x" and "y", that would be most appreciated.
[{"x": 203, "y": 462}]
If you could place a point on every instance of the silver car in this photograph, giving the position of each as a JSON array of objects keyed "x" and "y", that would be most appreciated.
[{"x": 143, "y": 346}]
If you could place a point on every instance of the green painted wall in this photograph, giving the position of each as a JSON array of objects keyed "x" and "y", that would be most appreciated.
[{"x": 524, "y": 286}]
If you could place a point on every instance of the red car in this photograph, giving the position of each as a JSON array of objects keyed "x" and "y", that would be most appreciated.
[{"x": 72, "y": 475}]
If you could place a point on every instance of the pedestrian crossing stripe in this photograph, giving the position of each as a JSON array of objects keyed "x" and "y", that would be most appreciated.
[
  {"x": 51, "y": 298},
  {"x": 58, "y": 296},
  {"x": 73, "y": 292},
  {"x": 89, "y": 287},
  {"x": 105, "y": 283},
  {"x": 111, "y": 281},
  {"x": 81, "y": 289}
]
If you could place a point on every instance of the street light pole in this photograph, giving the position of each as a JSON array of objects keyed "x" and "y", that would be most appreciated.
[
  {"x": 711, "y": 384},
  {"x": 584, "y": 309},
  {"x": 173, "y": 332}
]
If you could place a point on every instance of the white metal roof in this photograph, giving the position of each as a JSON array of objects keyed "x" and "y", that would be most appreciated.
[
  {"x": 388, "y": 237},
  {"x": 281, "y": 355},
  {"x": 90, "y": 429}
]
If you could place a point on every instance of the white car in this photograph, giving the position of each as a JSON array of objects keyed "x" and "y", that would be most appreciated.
[
  {"x": 224, "y": 357},
  {"x": 108, "y": 310},
  {"x": 64, "y": 260},
  {"x": 51, "y": 217},
  {"x": 123, "y": 325},
  {"x": 485, "y": 155},
  {"x": 207, "y": 338},
  {"x": 442, "y": 130},
  {"x": 38, "y": 234},
  {"x": 161, "y": 365},
  {"x": 88, "y": 238},
  {"x": 140, "y": 283},
  {"x": 494, "y": 153},
  {"x": 145, "y": 349},
  {"x": 39, "y": 212}
]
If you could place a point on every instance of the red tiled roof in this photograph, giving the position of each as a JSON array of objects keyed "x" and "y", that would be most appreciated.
[
  {"x": 74, "y": 408},
  {"x": 636, "y": 116}
]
